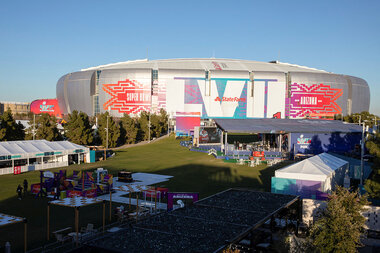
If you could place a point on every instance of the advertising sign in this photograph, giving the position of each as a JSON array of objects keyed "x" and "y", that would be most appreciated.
[
  {"x": 35, "y": 188},
  {"x": 17, "y": 170},
  {"x": 303, "y": 141},
  {"x": 90, "y": 193},
  {"x": 314, "y": 100},
  {"x": 194, "y": 196},
  {"x": 128, "y": 96},
  {"x": 209, "y": 135},
  {"x": 49, "y": 106},
  {"x": 72, "y": 194}
]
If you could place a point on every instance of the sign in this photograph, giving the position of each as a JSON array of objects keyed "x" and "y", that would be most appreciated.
[
  {"x": 209, "y": 135},
  {"x": 128, "y": 96},
  {"x": 72, "y": 194},
  {"x": 49, "y": 106},
  {"x": 17, "y": 170},
  {"x": 48, "y": 174},
  {"x": 303, "y": 142},
  {"x": 35, "y": 188},
  {"x": 90, "y": 193},
  {"x": 314, "y": 100},
  {"x": 194, "y": 196}
]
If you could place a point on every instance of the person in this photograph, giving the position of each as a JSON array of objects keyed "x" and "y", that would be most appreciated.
[
  {"x": 57, "y": 192},
  {"x": 25, "y": 187},
  {"x": 19, "y": 191}
]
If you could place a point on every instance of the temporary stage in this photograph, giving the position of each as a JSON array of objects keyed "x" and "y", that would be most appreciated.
[{"x": 294, "y": 135}]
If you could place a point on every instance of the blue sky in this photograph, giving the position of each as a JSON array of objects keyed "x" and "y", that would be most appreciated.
[{"x": 42, "y": 40}]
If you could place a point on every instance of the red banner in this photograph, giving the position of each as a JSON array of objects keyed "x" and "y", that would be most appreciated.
[
  {"x": 35, "y": 188},
  {"x": 17, "y": 170},
  {"x": 49, "y": 106},
  {"x": 128, "y": 96}
]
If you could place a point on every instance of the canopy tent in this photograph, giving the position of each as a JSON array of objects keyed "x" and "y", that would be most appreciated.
[
  {"x": 319, "y": 173},
  {"x": 22, "y": 156},
  {"x": 33, "y": 147}
]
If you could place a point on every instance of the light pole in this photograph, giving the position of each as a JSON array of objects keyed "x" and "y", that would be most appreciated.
[
  {"x": 362, "y": 154},
  {"x": 149, "y": 129},
  {"x": 105, "y": 151},
  {"x": 34, "y": 126},
  {"x": 168, "y": 124}
]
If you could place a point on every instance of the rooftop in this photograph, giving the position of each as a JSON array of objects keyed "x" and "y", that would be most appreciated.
[{"x": 251, "y": 126}]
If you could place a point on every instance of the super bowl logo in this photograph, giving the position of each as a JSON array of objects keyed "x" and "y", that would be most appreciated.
[
  {"x": 315, "y": 100},
  {"x": 128, "y": 96},
  {"x": 46, "y": 108},
  {"x": 304, "y": 142}
]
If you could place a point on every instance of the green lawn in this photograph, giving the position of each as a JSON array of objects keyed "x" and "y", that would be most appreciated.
[{"x": 192, "y": 171}]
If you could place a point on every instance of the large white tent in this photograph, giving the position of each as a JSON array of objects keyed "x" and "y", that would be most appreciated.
[
  {"x": 324, "y": 168},
  {"x": 38, "y": 154}
]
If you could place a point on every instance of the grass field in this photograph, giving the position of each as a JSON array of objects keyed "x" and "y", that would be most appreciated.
[{"x": 192, "y": 171}]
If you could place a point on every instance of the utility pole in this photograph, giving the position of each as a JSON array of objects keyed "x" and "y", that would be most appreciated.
[
  {"x": 107, "y": 137},
  {"x": 362, "y": 156},
  {"x": 168, "y": 124},
  {"x": 34, "y": 126},
  {"x": 149, "y": 129}
]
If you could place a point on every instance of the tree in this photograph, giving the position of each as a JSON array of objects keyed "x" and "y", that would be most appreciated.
[
  {"x": 9, "y": 129},
  {"x": 131, "y": 129},
  {"x": 143, "y": 122},
  {"x": 340, "y": 226},
  {"x": 113, "y": 130},
  {"x": 372, "y": 184},
  {"x": 356, "y": 117},
  {"x": 159, "y": 123},
  {"x": 45, "y": 128},
  {"x": 78, "y": 128}
]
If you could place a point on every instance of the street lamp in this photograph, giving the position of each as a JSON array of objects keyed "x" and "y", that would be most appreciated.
[
  {"x": 362, "y": 153},
  {"x": 105, "y": 151},
  {"x": 149, "y": 129},
  {"x": 34, "y": 130}
]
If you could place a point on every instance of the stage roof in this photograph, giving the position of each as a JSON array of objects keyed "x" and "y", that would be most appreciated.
[
  {"x": 251, "y": 126},
  {"x": 209, "y": 225}
]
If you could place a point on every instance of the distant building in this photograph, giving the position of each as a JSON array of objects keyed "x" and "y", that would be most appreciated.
[{"x": 16, "y": 107}]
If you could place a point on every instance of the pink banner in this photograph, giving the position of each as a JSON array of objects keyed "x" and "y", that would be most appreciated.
[{"x": 317, "y": 100}]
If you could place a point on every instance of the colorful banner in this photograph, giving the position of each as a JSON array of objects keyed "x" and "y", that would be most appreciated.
[
  {"x": 187, "y": 124},
  {"x": 49, "y": 106},
  {"x": 128, "y": 96},
  {"x": 35, "y": 188},
  {"x": 315, "y": 101},
  {"x": 194, "y": 196},
  {"x": 209, "y": 135},
  {"x": 17, "y": 170}
]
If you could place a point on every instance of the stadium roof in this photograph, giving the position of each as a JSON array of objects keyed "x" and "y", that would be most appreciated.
[
  {"x": 251, "y": 126},
  {"x": 208, "y": 225},
  {"x": 208, "y": 64},
  {"x": 35, "y": 146}
]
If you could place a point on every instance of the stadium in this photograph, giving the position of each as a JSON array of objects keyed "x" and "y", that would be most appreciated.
[{"x": 212, "y": 88}]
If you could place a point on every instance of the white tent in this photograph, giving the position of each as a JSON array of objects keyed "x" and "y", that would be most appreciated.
[
  {"x": 29, "y": 155},
  {"x": 325, "y": 168}
]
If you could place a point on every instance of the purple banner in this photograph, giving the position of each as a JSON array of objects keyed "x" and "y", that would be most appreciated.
[{"x": 194, "y": 196}]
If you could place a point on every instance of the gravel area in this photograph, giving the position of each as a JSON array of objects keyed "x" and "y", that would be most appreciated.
[{"x": 205, "y": 226}]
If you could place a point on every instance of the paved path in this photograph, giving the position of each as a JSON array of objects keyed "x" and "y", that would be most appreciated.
[
  {"x": 140, "y": 143},
  {"x": 139, "y": 179}
]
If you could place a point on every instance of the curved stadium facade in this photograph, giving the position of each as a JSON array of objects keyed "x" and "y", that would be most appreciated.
[{"x": 212, "y": 88}]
